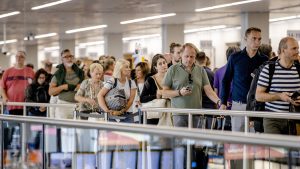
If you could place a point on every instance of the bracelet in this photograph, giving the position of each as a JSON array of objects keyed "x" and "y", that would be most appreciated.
[
  {"x": 179, "y": 93},
  {"x": 219, "y": 102}
]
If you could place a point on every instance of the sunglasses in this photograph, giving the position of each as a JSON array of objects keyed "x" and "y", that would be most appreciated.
[{"x": 190, "y": 79}]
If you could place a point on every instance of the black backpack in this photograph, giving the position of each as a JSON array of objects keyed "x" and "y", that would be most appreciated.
[
  {"x": 41, "y": 94},
  {"x": 252, "y": 103}
]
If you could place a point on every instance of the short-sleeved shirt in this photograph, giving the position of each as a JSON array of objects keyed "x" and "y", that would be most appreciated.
[
  {"x": 110, "y": 84},
  {"x": 14, "y": 82},
  {"x": 71, "y": 78},
  {"x": 283, "y": 80},
  {"x": 89, "y": 91},
  {"x": 177, "y": 77}
]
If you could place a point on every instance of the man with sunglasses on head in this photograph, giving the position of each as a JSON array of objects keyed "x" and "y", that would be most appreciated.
[
  {"x": 65, "y": 82},
  {"x": 184, "y": 83}
]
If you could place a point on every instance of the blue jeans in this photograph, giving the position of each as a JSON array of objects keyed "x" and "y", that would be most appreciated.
[{"x": 127, "y": 117}]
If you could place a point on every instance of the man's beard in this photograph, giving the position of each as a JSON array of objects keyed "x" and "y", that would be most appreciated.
[{"x": 68, "y": 64}]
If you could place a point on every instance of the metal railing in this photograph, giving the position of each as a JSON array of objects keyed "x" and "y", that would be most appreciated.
[
  {"x": 246, "y": 114},
  {"x": 232, "y": 137},
  {"x": 190, "y": 133}
]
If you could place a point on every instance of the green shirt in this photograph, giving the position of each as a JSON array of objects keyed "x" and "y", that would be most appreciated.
[
  {"x": 71, "y": 78},
  {"x": 177, "y": 77}
]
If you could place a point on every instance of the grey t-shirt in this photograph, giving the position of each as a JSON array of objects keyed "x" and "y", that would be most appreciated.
[
  {"x": 71, "y": 78},
  {"x": 177, "y": 77}
]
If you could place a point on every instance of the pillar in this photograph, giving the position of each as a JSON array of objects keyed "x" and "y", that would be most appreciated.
[
  {"x": 171, "y": 33},
  {"x": 67, "y": 44},
  {"x": 260, "y": 20},
  {"x": 113, "y": 45},
  {"x": 32, "y": 55}
]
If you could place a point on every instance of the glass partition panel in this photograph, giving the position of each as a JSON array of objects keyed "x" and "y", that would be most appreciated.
[{"x": 27, "y": 145}]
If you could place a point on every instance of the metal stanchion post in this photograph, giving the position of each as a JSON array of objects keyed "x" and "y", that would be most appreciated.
[
  {"x": 144, "y": 117},
  {"x": 188, "y": 144},
  {"x": 190, "y": 121},
  {"x": 23, "y": 139},
  {"x": 245, "y": 162},
  {"x": 44, "y": 147}
]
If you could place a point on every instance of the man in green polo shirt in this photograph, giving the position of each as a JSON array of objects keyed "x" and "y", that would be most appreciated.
[{"x": 184, "y": 83}]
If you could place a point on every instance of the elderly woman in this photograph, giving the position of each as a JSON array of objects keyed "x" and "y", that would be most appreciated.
[
  {"x": 120, "y": 81},
  {"x": 89, "y": 89}
]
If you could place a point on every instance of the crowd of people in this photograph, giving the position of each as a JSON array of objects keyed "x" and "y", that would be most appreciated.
[{"x": 185, "y": 80}]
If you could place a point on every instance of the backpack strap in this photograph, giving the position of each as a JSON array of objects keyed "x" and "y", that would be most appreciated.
[
  {"x": 129, "y": 83},
  {"x": 297, "y": 64},
  {"x": 116, "y": 82},
  {"x": 271, "y": 73}
]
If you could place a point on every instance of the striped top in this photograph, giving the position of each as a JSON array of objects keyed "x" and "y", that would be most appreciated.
[{"x": 284, "y": 80}]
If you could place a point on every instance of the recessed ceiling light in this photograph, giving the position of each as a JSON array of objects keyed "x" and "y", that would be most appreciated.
[
  {"x": 49, "y": 4},
  {"x": 41, "y": 36},
  {"x": 225, "y": 5},
  {"x": 86, "y": 29},
  {"x": 147, "y": 18},
  {"x": 45, "y": 35},
  {"x": 8, "y": 41},
  {"x": 9, "y": 14},
  {"x": 82, "y": 45},
  {"x": 205, "y": 29},
  {"x": 140, "y": 37},
  {"x": 49, "y": 49},
  {"x": 283, "y": 18}
]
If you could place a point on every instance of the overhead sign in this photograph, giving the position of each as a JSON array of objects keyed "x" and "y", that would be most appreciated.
[{"x": 294, "y": 33}]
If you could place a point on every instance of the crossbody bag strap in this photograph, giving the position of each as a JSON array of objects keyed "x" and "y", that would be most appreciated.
[
  {"x": 157, "y": 85},
  {"x": 138, "y": 89}
]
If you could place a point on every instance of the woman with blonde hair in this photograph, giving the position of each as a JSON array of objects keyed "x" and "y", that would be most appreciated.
[
  {"x": 89, "y": 89},
  {"x": 119, "y": 81}
]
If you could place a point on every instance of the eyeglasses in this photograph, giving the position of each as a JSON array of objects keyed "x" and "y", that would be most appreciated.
[{"x": 68, "y": 56}]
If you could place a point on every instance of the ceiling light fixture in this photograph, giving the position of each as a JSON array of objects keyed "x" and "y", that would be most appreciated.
[
  {"x": 45, "y": 35},
  {"x": 86, "y": 29},
  {"x": 225, "y": 5},
  {"x": 8, "y": 41},
  {"x": 147, "y": 18},
  {"x": 53, "y": 48},
  {"x": 205, "y": 29},
  {"x": 82, "y": 45},
  {"x": 284, "y": 18},
  {"x": 140, "y": 37},
  {"x": 49, "y": 4},
  {"x": 9, "y": 14}
]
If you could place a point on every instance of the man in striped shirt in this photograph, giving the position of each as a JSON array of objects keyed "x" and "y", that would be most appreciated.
[{"x": 284, "y": 82}]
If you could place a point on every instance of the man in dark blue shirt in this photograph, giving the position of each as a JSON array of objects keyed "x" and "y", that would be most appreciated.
[{"x": 239, "y": 69}]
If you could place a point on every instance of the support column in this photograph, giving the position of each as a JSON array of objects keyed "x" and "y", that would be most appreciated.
[
  {"x": 260, "y": 20},
  {"x": 5, "y": 61},
  {"x": 170, "y": 34},
  {"x": 67, "y": 44},
  {"x": 113, "y": 45},
  {"x": 32, "y": 55}
]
